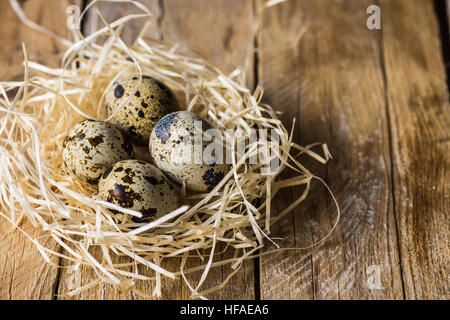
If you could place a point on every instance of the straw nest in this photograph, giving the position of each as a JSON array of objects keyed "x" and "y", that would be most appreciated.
[{"x": 37, "y": 113}]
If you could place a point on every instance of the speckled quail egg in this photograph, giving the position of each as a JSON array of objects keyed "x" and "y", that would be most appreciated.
[
  {"x": 151, "y": 101},
  {"x": 91, "y": 147},
  {"x": 138, "y": 185},
  {"x": 178, "y": 149}
]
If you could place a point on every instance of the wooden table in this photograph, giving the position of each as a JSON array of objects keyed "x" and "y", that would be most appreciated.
[{"x": 378, "y": 98}]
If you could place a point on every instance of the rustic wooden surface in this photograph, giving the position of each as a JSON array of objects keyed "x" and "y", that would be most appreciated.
[
  {"x": 23, "y": 272},
  {"x": 378, "y": 98},
  {"x": 335, "y": 84}
]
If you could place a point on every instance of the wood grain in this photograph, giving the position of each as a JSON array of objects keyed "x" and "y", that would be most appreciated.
[
  {"x": 332, "y": 81},
  {"x": 50, "y": 14},
  {"x": 113, "y": 11},
  {"x": 418, "y": 106},
  {"x": 23, "y": 272}
]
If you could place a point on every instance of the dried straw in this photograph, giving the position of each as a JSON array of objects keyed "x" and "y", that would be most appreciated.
[{"x": 37, "y": 113}]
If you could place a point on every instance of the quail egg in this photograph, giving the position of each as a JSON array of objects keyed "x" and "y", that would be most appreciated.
[
  {"x": 151, "y": 101},
  {"x": 138, "y": 185},
  {"x": 91, "y": 147},
  {"x": 178, "y": 148}
]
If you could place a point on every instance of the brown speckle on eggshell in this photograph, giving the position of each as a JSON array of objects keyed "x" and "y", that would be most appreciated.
[
  {"x": 148, "y": 104},
  {"x": 172, "y": 139},
  {"x": 91, "y": 147},
  {"x": 140, "y": 186}
]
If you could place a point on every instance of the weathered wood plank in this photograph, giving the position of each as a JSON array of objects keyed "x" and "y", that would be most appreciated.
[
  {"x": 113, "y": 11},
  {"x": 38, "y": 46},
  {"x": 332, "y": 81},
  {"x": 204, "y": 27},
  {"x": 219, "y": 31},
  {"x": 24, "y": 274},
  {"x": 418, "y": 105}
]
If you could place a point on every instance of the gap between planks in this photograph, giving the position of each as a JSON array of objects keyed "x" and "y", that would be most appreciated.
[{"x": 391, "y": 152}]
